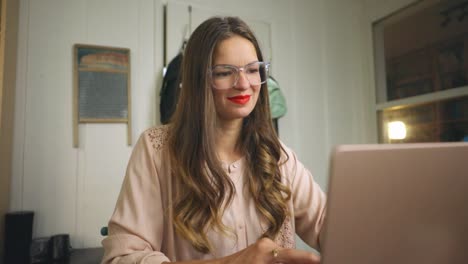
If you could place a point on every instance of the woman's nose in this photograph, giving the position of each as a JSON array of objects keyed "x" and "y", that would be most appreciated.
[{"x": 242, "y": 81}]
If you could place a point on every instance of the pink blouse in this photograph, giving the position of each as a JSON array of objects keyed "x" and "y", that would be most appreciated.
[{"x": 141, "y": 228}]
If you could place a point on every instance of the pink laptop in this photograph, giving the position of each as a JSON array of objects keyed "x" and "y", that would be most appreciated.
[{"x": 398, "y": 204}]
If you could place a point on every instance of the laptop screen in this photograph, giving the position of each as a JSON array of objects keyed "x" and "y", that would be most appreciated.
[{"x": 402, "y": 203}]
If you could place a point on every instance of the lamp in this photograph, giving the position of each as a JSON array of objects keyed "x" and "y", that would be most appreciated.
[{"x": 396, "y": 130}]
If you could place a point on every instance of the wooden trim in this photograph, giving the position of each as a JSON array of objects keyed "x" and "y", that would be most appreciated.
[
  {"x": 425, "y": 98},
  {"x": 75, "y": 98},
  {"x": 101, "y": 47},
  {"x": 102, "y": 120},
  {"x": 2, "y": 52},
  {"x": 102, "y": 70},
  {"x": 8, "y": 60},
  {"x": 129, "y": 104}
]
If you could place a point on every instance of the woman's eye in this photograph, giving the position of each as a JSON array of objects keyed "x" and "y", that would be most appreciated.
[
  {"x": 221, "y": 74},
  {"x": 254, "y": 70}
]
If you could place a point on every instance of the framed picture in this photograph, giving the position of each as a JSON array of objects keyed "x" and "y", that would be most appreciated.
[{"x": 101, "y": 86}]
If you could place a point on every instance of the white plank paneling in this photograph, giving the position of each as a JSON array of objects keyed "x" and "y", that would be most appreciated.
[
  {"x": 49, "y": 161},
  {"x": 74, "y": 190}
]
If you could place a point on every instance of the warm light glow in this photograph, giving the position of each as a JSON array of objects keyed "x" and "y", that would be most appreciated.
[{"x": 396, "y": 130}]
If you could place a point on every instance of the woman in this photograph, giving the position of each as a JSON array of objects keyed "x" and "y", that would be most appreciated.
[{"x": 216, "y": 185}]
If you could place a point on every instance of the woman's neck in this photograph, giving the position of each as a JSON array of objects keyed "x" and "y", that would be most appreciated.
[{"x": 227, "y": 137}]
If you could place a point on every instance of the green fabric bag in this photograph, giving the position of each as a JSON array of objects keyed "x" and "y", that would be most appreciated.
[{"x": 277, "y": 101}]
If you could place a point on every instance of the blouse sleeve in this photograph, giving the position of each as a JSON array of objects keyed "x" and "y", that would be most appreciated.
[
  {"x": 309, "y": 201},
  {"x": 136, "y": 226}
]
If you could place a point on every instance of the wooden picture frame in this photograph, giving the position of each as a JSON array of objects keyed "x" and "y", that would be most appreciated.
[{"x": 101, "y": 87}]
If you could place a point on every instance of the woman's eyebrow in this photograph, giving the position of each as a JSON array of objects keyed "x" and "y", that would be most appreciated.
[
  {"x": 224, "y": 64},
  {"x": 232, "y": 65}
]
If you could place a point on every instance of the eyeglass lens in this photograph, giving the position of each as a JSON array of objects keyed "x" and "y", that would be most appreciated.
[{"x": 226, "y": 76}]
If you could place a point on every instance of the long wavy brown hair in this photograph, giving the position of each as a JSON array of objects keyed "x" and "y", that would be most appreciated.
[{"x": 202, "y": 188}]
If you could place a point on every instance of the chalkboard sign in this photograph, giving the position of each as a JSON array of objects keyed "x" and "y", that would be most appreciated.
[{"x": 101, "y": 86}]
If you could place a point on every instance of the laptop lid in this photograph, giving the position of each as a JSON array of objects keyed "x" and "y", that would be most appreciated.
[{"x": 402, "y": 203}]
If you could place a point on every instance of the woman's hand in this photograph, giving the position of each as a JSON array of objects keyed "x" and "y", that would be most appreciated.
[{"x": 265, "y": 251}]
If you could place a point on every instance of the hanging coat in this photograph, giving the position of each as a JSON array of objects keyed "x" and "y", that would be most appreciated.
[{"x": 170, "y": 89}]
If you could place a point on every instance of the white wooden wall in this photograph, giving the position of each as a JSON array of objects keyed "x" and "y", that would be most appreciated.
[
  {"x": 74, "y": 190},
  {"x": 322, "y": 56}
]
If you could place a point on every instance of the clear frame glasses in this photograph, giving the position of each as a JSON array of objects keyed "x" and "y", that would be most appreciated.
[{"x": 225, "y": 76}]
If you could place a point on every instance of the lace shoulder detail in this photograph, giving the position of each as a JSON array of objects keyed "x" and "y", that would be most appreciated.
[
  {"x": 285, "y": 237},
  {"x": 158, "y": 136}
]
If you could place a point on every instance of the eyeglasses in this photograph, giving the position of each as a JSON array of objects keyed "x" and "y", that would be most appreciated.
[{"x": 226, "y": 76}]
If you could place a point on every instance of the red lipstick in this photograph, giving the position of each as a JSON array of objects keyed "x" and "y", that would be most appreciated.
[{"x": 240, "y": 99}]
